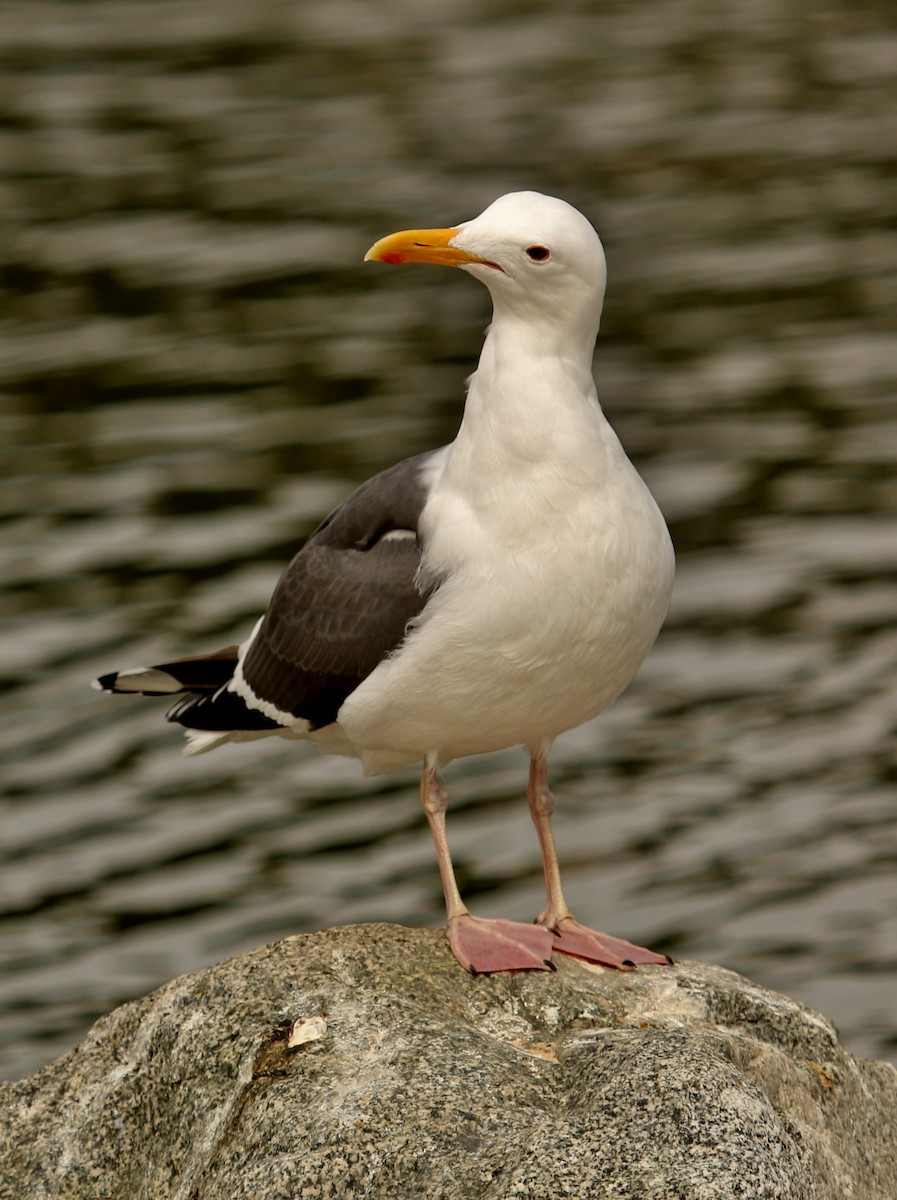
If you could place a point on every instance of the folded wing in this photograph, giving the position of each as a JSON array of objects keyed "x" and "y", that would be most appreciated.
[{"x": 340, "y": 607}]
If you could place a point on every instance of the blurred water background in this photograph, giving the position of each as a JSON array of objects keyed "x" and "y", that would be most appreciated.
[{"x": 195, "y": 366}]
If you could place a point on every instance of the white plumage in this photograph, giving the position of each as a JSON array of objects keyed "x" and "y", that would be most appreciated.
[
  {"x": 557, "y": 562},
  {"x": 544, "y": 564}
]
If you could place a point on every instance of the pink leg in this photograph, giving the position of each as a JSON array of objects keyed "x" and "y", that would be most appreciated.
[
  {"x": 480, "y": 946},
  {"x": 569, "y": 936}
]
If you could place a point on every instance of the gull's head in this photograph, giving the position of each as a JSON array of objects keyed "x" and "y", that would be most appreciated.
[{"x": 537, "y": 255}]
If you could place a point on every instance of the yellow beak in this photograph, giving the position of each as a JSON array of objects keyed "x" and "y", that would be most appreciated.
[{"x": 423, "y": 246}]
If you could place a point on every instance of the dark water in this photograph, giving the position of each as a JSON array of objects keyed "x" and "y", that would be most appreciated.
[{"x": 195, "y": 366}]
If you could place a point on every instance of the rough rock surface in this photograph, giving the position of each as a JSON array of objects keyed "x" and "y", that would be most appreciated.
[{"x": 416, "y": 1080}]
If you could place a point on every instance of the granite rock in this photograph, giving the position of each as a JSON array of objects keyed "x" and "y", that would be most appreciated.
[{"x": 362, "y": 1062}]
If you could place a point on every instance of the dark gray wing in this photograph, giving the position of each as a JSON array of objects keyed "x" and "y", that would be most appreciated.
[{"x": 340, "y": 607}]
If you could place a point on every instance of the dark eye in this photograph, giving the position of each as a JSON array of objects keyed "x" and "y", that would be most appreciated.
[{"x": 538, "y": 253}]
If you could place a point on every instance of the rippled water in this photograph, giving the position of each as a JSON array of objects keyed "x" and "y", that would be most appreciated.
[{"x": 195, "y": 367}]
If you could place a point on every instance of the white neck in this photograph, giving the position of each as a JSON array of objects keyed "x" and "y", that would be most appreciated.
[
  {"x": 534, "y": 448},
  {"x": 532, "y": 402}
]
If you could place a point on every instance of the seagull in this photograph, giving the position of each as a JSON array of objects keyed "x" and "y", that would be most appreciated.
[{"x": 495, "y": 592}]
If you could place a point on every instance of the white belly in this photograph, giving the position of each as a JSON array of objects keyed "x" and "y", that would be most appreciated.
[{"x": 529, "y": 637}]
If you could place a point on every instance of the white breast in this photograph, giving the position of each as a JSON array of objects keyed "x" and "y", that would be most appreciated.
[{"x": 557, "y": 581}]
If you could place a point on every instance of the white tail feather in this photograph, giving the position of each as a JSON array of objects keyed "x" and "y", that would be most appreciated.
[{"x": 201, "y": 741}]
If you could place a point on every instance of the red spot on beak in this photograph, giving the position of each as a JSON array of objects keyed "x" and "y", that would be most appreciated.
[{"x": 392, "y": 256}]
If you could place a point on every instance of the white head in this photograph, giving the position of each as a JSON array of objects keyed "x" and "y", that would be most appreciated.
[{"x": 539, "y": 257}]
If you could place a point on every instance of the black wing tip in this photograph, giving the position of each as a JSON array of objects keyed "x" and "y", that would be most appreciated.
[
  {"x": 109, "y": 684},
  {"x": 106, "y": 683},
  {"x": 204, "y": 673},
  {"x": 225, "y": 712}
]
